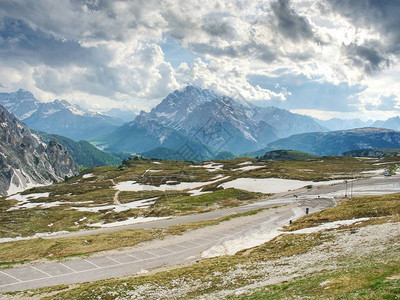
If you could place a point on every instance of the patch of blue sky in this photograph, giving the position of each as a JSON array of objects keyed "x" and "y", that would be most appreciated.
[
  {"x": 175, "y": 54},
  {"x": 308, "y": 93}
]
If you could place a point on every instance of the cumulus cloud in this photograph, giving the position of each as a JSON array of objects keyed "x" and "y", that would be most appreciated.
[
  {"x": 289, "y": 23},
  {"x": 379, "y": 19},
  {"x": 99, "y": 49},
  {"x": 367, "y": 56},
  {"x": 226, "y": 78}
]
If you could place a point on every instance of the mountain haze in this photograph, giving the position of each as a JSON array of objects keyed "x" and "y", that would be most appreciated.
[
  {"x": 337, "y": 142},
  {"x": 58, "y": 117},
  {"x": 203, "y": 117}
]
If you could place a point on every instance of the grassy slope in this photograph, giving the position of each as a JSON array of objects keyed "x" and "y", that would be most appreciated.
[
  {"x": 84, "y": 153},
  {"x": 99, "y": 190},
  {"x": 365, "y": 277}
]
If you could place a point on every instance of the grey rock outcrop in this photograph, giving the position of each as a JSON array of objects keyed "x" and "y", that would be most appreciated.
[{"x": 25, "y": 161}]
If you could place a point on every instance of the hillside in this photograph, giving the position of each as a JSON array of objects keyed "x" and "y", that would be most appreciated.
[
  {"x": 337, "y": 142},
  {"x": 372, "y": 153},
  {"x": 287, "y": 155},
  {"x": 84, "y": 153}
]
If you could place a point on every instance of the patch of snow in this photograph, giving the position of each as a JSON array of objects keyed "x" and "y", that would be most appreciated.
[
  {"x": 27, "y": 114},
  {"x": 262, "y": 236},
  {"x": 166, "y": 115},
  {"x": 271, "y": 185},
  {"x": 248, "y": 136},
  {"x": 36, "y": 236},
  {"x": 90, "y": 175},
  {"x": 380, "y": 171},
  {"x": 247, "y": 168},
  {"x": 133, "y": 186},
  {"x": 153, "y": 171},
  {"x": 20, "y": 182},
  {"x": 233, "y": 246},
  {"x": 211, "y": 167},
  {"x": 156, "y": 163},
  {"x": 50, "y": 111},
  {"x": 120, "y": 207},
  {"x": 245, "y": 163},
  {"x": 42, "y": 205},
  {"x": 76, "y": 111},
  {"x": 129, "y": 221},
  {"x": 331, "y": 225},
  {"x": 198, "y": 192},
  {"x": 26, "y": 198}
]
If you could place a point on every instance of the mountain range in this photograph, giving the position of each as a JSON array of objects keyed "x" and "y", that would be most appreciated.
[
  {"x": 25, "y": 161},
  {"x": 189, "y": 124},
  {"x": 338, "y": 142},
  {"x": 58, "y": 117},
  {"x": 207, "y": 123}
]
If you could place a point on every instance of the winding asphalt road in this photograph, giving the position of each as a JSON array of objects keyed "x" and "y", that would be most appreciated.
[{"x": 188, "y": 247}]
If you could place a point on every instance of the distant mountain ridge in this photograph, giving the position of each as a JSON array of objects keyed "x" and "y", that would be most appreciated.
[
  {"x": 372, "y": 153},
  {"x": 338, "y": 142},
  {"x": 391, "y": 123},
  {"x": 25, "y": 161},
  {"x": 58, "y": 117},
  {"x": 201, "y": 116},
  {"x": 335, "y": 124}
]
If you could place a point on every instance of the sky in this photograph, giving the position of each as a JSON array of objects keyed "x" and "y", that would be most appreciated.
[{"x": 324, "y": 58}]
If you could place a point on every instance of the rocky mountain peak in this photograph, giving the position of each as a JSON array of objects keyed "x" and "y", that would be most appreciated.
[{"x": 25, "y": 161}]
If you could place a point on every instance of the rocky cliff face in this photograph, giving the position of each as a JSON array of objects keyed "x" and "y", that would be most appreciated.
[{"x": 25, "y": 161}]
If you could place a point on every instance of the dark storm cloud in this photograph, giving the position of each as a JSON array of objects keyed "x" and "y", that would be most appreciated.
[
  {"x": 366, "y": 56},
  {"x": 381, "y": 16},
  {"x": 289, "y": 23},
  {"x": 219, "y": 28},
  {"x": 19, "y": 41},
  {"x": 85, "y": 20}
]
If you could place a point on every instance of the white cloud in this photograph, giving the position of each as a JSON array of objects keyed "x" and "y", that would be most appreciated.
[
  {"x": 109, "y": 50},
  {"x": 227, "y": 77}
]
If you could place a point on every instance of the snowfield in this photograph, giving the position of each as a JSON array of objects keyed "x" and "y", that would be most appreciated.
[
  {"x": 271, "y": 185},
  {"x": 129, "y": 221},
  {"x": 90, "y": 175},
  {"x": 262, "y": 236},
  {"x": 133, "y": 186},
  {"x": 248, "y": 168},
  {"x": 211, "y": 167},
  {"x": 120, "y": 207}
]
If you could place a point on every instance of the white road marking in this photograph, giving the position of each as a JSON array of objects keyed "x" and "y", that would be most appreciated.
[
  {"x": 74, "y": 271},
  {"x": 47, "y": 274},
  {"x": 11, "y": 277},
  {"x": 113, "y": 260},
  {"x": 98, "y": 267}
]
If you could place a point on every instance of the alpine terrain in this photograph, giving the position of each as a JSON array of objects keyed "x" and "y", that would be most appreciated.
[
  {"x": 203, "y": 117},
  {"x": 58, "y": 117},
  {"x": 25, "y": 161}
]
